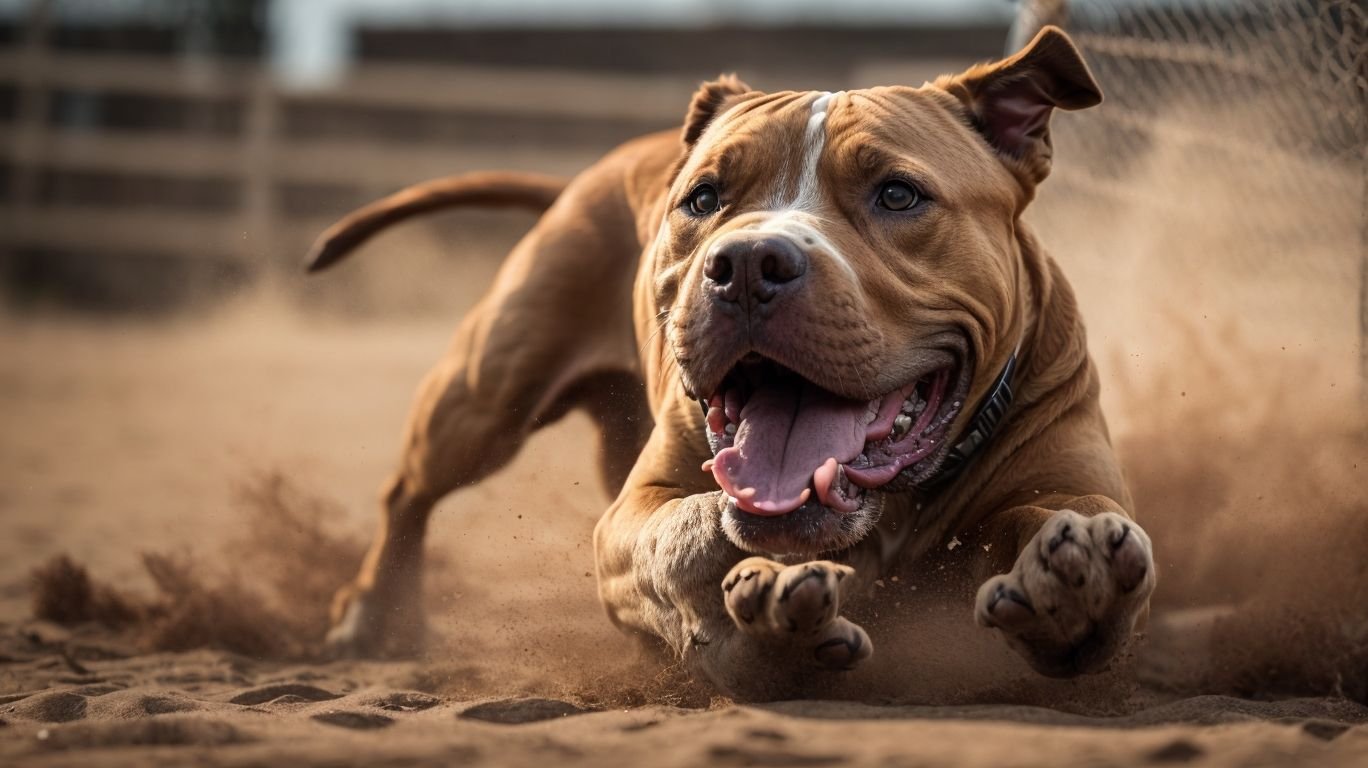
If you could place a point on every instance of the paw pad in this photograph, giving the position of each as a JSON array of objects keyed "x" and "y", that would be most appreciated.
[
  {"x": 1072, "y": 598},
  {"x": 797, "y": 604}
]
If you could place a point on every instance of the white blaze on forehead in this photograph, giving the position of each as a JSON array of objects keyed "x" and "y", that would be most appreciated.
[
  {"x": 819, "y": 111},
  {"x": 814, "y": 142},
  {"x": 797, "y": 218}
]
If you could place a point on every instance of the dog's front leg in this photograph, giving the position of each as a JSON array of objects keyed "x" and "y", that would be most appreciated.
[
  {"x": 1082, "y": 577},
  {"x": 752, "y": 626}
]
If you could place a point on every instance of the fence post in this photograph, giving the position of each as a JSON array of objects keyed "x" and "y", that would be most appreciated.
[
  {"x": 34, "y": 97},
  {"x": 1358, "y": 38},
  {"x": 259, "y": 244}
]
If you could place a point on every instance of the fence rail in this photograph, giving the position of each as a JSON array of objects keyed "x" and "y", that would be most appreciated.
[
  {"x": 263, "y": 155},
  {"x": 543, "y": 92}
]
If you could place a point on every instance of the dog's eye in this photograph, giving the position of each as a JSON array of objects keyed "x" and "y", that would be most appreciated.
[
  {"x": 898, "y": 196},
  {"x": 703, "y": 200}
]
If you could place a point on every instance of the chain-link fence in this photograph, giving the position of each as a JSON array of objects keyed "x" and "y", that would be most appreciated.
[{"x": 1228, "y": 163}]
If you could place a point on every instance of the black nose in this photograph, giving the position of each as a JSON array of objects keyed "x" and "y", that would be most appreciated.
[{"x": 762, "y": 266}]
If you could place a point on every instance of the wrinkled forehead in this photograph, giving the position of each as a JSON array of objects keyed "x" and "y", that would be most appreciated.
[
  {"x": 869, "y": 130},
  {"x": 772, "y": 124},
  {"x": 919, "y": 124}
]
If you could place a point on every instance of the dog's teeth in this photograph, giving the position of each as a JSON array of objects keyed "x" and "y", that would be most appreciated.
[
  {"x": 716, "y": 418},
  {"x": 901, "y": 424},
  {"x": 872, "y": 412},
  {"x": 919, "y": 407},
  {"x": 730, "y": 428},
  {"x": 909, "y": 404}
]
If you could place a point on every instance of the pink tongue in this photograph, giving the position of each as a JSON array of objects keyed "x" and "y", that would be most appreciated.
[{"x": 787, "y": 431}]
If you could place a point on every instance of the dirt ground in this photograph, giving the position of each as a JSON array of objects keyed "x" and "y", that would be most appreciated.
[
  {"x": 219, "y": 471},
  {"x": 235, "y": 447}
]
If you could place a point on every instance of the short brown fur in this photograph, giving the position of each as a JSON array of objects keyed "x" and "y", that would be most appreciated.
[{"x": 598, "y": 307}]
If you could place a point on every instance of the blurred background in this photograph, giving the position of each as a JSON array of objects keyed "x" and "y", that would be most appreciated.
[
  {"x": 164, "y": 165},
  {"x": 159, "y": 154},
  {"x": 164, "y": 153}
]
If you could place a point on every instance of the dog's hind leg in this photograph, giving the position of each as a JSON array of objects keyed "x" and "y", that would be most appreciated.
[{"x": 554, "y": 333}]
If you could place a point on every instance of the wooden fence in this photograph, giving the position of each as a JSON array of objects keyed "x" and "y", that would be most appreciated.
[
  {"x": 165, "y": 162},
  {"x": 279, "y": 146}
]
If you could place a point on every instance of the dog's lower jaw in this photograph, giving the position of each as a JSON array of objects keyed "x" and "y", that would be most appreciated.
[
  {"x": 809, "y": 531},
  {"x": 906, "y": 438}
]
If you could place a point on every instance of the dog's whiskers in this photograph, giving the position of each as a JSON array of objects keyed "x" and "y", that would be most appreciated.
[
  {"x": 662, "y": 317},
  {"x": 671, "y": 360}
]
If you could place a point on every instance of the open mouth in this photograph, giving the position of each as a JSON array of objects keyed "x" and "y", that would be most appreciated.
[{"x": 781, "y": 442}]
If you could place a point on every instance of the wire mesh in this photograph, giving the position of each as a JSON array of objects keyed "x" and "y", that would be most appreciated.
[{"x": 1232, "y": 146}]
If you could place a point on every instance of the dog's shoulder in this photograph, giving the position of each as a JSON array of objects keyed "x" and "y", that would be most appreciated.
[{"x": 628, "y": 184}]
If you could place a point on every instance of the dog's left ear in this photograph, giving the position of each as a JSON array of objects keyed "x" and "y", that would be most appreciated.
[
  {"x": 712, "y": 99},
  {"x": 1010, "y": 101}
]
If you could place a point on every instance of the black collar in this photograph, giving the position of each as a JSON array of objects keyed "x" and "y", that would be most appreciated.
[{"x": 981, "y": 428}]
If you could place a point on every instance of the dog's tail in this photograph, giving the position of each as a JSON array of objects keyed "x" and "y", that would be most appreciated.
[{"x": 492, "y": 189}]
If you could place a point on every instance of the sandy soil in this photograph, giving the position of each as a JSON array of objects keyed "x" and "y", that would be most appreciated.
[
  {"x": 214, "y": 708},
  {"x": 219, "y": 472},
  {"x": 236, "y": 448}
]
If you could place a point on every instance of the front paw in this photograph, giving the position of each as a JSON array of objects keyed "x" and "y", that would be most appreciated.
[
  {"x": 797, "y": 604},
  {"x": 1073, "y": 597}
]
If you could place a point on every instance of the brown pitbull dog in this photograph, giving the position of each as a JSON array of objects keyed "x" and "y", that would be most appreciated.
[{"x": 819, "y": 342}]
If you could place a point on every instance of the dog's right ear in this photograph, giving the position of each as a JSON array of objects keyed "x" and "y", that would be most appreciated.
[
  {"x": 711, "y": 100},
  {"x": 1010, "y": 101}
]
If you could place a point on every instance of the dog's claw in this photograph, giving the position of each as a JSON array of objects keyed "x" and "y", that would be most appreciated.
[{"x": 845, "y": 647}]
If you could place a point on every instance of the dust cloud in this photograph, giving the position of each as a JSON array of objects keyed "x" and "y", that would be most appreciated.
[{"x": 1226, "y": 330}]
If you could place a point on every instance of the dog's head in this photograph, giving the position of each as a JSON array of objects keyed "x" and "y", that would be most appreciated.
[{"x": 840, "y": 277}]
